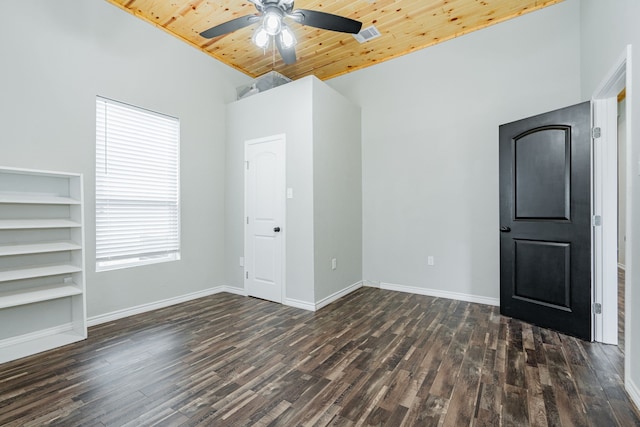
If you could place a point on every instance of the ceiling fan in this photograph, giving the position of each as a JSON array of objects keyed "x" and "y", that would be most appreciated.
[{"x": 271, "y": 14}]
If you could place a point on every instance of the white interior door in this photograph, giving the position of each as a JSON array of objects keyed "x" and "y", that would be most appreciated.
[{"x": 264, "y": 217}]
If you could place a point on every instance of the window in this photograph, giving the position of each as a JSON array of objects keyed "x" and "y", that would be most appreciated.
[{"x": 137, "y": 186}]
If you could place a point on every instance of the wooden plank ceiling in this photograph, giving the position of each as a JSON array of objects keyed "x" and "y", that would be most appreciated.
[{"x": 405, "y": 25}]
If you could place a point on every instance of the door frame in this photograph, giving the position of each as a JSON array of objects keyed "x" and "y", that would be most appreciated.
[
  {"x": 283, "y": 233},
  {"x": 605, "y": 202}
]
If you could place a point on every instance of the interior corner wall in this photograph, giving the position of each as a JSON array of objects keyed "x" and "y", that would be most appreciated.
[
  {"x": 283, "y": 110},
  {"x": 337, "y": 192},
  {"x": 606, "y": 29},
  {"x": 56, "y": 57},
  {"x": 430, "y": 146}
]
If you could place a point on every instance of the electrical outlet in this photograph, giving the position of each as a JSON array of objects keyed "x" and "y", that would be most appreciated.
[
  {"x": 430, "y": 260},
  {"x": 334, "y": 263}
]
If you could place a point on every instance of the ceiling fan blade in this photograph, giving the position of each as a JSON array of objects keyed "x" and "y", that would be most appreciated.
[
  {"x": 326, "y": 21},
  {"x": 229, "y": 26},
  {"x": 288, "y": 54}
]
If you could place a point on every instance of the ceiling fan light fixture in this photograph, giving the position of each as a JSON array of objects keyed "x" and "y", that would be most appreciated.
[
  {"x": 271, "y": 16},
  {"x": 287, "y": 38},
  {"x": 272, "y": 22},
  {"x": 261, "y": 38}
]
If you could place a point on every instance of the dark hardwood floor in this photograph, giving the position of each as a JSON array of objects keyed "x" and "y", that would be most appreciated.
[{"x": 375, "y": 357}]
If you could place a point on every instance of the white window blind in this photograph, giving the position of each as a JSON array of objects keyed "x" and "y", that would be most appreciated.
[{"x": 137, "y": 186}]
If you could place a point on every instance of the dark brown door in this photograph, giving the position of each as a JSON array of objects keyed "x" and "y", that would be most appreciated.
[{"x": 545, "y": 220}]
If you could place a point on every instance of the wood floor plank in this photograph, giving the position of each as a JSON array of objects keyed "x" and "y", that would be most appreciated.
[{"x": 374, "y": 358}]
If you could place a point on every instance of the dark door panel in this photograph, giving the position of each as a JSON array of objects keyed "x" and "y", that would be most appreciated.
[
  {"x": 545, "y": 238},
  {"x": 543, "y": 195},
  {"x": 549, "y": 286}
]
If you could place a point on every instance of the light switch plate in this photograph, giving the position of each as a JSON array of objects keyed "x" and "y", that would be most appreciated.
[{"x": 289, "y": 193}]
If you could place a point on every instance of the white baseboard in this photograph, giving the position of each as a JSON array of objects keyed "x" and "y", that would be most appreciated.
[
  {"x": 370, "y": 283},
  {"x": 440, "y": 293},
  {"x": 291, "y": 302},
  {"x": 337, "y": 295},
  {"x": 233, "y": 290},
  {"x": 143, "y": 308},
  {"x": 634, "y": 392},
  {"x": 324, "y": 301}
]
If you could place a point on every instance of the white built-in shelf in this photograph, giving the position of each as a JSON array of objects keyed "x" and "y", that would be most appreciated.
[
  {"x": 39, "y": 271},
  {"x": 18, "y": 198},
  {"x": 38, "y": 248},
  {"x": 37, "y": 267},
  {"x": 41, "y": 293},
  {"x": 23, "y": 224}
]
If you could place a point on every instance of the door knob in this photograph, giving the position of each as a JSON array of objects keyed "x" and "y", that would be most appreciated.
[
  {"x": 276, "y": 229},
  {"x": 505, "y": 229}
]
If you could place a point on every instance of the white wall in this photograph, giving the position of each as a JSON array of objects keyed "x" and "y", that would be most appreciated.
[
  {"x": 337, "y": 191},
  {"x": 323, "y": 219},
  {"x": 56, "y": 57},
  {"x": 430, "y": 146},
  {"x": 606, "y": 29},
  {"x": 283, "y": 110}
]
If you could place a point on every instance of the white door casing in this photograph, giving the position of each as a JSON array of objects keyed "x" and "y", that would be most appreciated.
[
  {"x": 605, "y": 211},
  {"x": 605, "y": 203},
  {"x": 265, "y": 217}
]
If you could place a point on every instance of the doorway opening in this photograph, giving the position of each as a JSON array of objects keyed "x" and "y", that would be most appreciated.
[
  {"x": 610, "y": 207},
  {"x": 622, "y": 206}
]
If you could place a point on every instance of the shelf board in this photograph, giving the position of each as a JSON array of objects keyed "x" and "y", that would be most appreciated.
[
  {"x": 11, "y": 351},
  {"x": 41, "y": 293},
  {"x": 40, "y": 271},
  {"x": 21, "y": 198},
  {"x": 38, "y": 248},
  {"x": 23, "y": 224}
]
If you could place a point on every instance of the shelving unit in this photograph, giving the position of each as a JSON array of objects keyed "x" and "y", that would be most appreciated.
[
  {"x": 21, "y": 224},
  {"x": 42, "y": 286}
]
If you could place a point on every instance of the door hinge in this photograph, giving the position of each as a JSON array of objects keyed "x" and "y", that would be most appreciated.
[
  {"x": 247, "y": 163},
  {"x": 247, "y": 220},
  {"x": 597, "y": 308},
  {"x": 246, "y": 274},
  {"x": 596, "y": 221},
  {"x": 596, "y": 132}
]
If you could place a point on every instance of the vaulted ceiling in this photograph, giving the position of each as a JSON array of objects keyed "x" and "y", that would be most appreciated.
[{"x": 405, "y": 26}]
